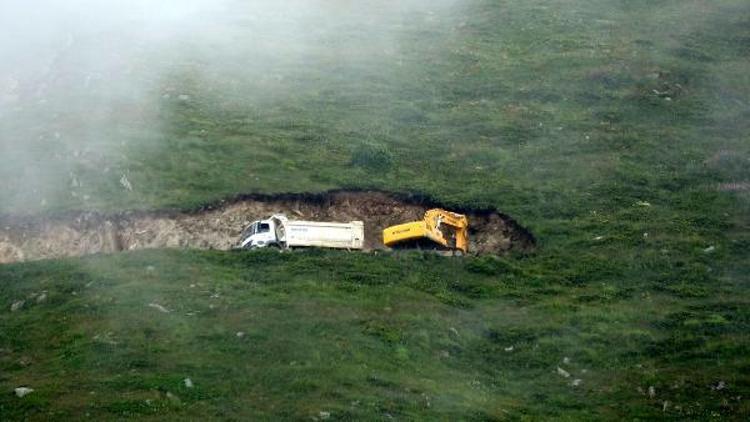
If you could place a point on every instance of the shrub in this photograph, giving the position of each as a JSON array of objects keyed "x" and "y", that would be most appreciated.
[{"x": 372, "y": 156}]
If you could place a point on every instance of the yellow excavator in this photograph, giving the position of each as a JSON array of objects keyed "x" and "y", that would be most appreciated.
[{"x": 448, "y": 229}]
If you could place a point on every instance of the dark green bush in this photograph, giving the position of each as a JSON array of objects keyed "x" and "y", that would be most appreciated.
[
  {"x": 372, "y": 156},
  {"x": 491, "y": 265}
]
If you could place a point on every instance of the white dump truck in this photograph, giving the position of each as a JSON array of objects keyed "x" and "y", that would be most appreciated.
[{"x": 281, "y": 232}]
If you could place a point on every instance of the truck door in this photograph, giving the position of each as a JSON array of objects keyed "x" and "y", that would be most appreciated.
[{"x": 264, "y": 233}]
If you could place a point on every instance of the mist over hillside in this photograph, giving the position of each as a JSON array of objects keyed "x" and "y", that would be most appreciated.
[
  {"x": 600, "y": 150},
  {"x": 85, "y": 85}
]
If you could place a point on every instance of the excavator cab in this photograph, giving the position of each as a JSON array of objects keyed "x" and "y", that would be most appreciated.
[{"x": 446, "y": 229}]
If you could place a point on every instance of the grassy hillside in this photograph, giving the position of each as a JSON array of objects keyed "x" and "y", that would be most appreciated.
[
  {"x": 407, "y": 336},
  {"x": 617, "y": 131},
  {"x": 545, "y": 109}
]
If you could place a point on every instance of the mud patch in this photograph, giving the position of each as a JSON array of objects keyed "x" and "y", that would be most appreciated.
[{"x": 218, "y": 226}]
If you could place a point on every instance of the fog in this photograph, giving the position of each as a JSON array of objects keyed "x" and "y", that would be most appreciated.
[
  {"x": 82, "y": 82},
  {"x": 88, "y": 86}
]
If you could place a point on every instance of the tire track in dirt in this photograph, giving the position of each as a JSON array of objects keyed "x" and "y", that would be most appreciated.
[{"x": 218, "y": 226}]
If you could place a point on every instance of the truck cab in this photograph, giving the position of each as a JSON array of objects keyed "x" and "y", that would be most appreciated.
[{"x": 263, "y": 233}]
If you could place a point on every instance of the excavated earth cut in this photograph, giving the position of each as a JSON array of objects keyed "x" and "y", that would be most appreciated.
[{"x": 219, "y": 226}]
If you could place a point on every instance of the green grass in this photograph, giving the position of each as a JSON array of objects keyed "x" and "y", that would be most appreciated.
[
  {"x": 361, "y": 336},
  {"x": 541, "y": 108},
  {"x": 554, "y": 112}
]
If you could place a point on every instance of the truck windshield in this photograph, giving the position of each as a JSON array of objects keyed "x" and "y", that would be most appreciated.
[{"x": 249, "y": 231}]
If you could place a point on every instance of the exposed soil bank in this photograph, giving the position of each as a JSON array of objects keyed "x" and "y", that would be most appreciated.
[{"x": 219, "y": 226}]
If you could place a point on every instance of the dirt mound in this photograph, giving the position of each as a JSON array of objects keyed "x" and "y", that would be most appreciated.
[{"x": 219, "y": 226}]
